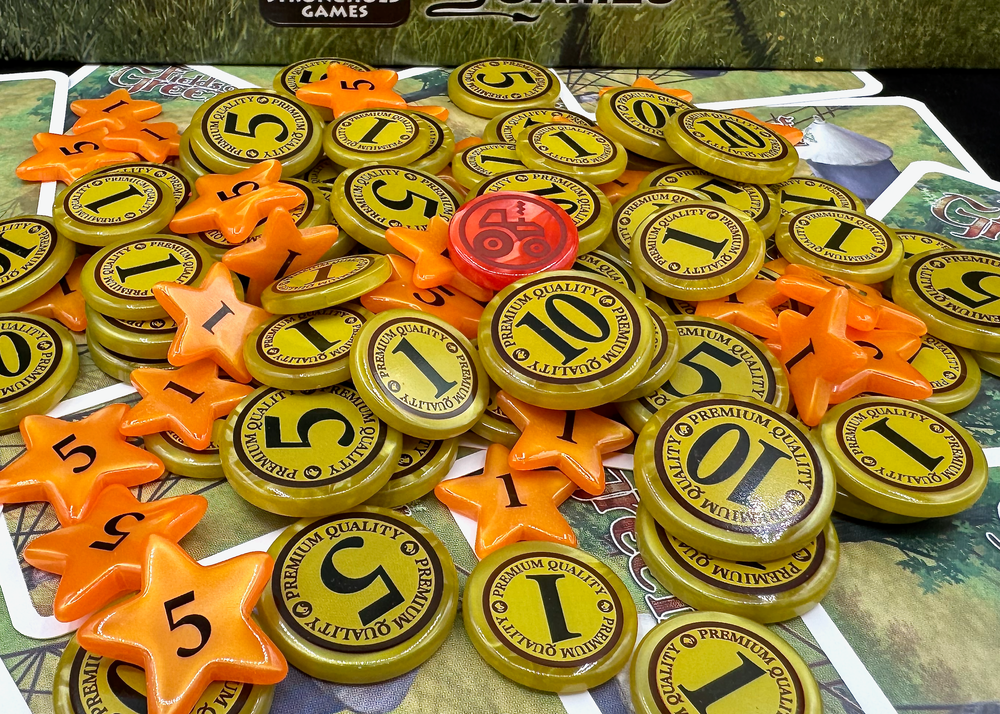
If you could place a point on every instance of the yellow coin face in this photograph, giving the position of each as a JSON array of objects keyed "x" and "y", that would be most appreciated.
[
  {"x": 755, "y": 201},
  {"x": 308, "y": 341},
  {"x": 720, "y": 664},
  {"x": 115, "y": 200},
  {"x": 388, "y": 196},
  {"x": 485, "y": 160},
  {"x": 565, "y": 330},
  {"x": 505, "y": 81},
  {"x": 27, "y": 245},
  {"x": 359, "y": 583},
  {"x": 732, "y": 135},
  {"x": 180, "y": 185},
  {"x": 440, "y": 142},
  {"x": 698, "y": 246},
  {"x": 841, "y": 238},
  {"x": 916, "y": 242},
  {"x": 323, "y": 171},
  {"x": 734, "y": 477},
  {"x": 32, "y": 353},
  {"x": 415, "y": 456},
  {"x": 175, "y": 441},
  {"x": 577, "y": 198},
  {"x": 306, "y": 439},
  {"x": 327, "y": 273},
  {"x": 507, "y": 127},
  {"x": 960, "y": 288},
  {"x": 292, "y": 77},
  {"x": 801, "y": 193},
  {"x": 633, "y": 211},
  {"x": 948, "y": 369},
  {"x": 129, "y": 270},
  {"x": 249, "y": 126},
  {"x": 374, "y": 131},
  {"x": 570, "y": 145},
  {"x": 602, "y": 263},
  {"x": 644, "y": 110},
  {"x": 904, "y": 457}
]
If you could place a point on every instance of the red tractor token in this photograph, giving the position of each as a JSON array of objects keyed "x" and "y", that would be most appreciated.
[{"x": 501, "y": 237}]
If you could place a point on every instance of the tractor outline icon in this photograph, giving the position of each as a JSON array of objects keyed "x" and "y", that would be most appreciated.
[{"x": 510, "y": 241}]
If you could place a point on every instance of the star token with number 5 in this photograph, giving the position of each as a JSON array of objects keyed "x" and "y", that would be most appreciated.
[
  {"x": 734, "y": 477},
  {"x": 384, "y": 586},
  {"x": 549, "y": 617}
]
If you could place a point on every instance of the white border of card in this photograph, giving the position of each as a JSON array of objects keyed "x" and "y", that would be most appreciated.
[{"x": 47, "y": 191}]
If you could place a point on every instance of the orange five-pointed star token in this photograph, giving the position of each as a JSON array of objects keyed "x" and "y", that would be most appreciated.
[
  {"x": 190, "y": 626},
  {"x": 100, "y": 556},
  {"x": 866, "y": 310},
  {"x": 571, "y": 441},
  {"x": 64, "y": 301},
  {"x": 817, "y": 353},
  {"x": 211, "y": 322},
  {"x": 186, "y": 401},
  {"x": 347, "y": 90},
  {"x": 235, "y": 203},
  {"x": 153, "y": 142},
  {"x": 64, "y": 157},
  {"x": 751, "y": 308},
  {"x": 281, "y": 249},
  {"x": 432, "y": 268},
  {"x": 112, "y": 112},
  {"x": 624, "y": 185},
  {"x": 68, "y": 463},
  {"x": 509, "y": 505},
  {"x": 888, "y": 370}
]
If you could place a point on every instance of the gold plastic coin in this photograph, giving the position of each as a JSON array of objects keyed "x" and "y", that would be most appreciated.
[
  {"x": 957, "y": 293},
  {"x": 801, "y": 193},
  {"x": 326, "y": 284},
  {"x": 758, "y": 202},
  {"x": 422, "y": 465},
  {"x": 903, "y": 457},
  {"x": 715, "y": 663},
  {"x": 419, "y": 374},
  {"x": 772, "y": 591},
  {"x": 117, "y": 281},
  {"x": 589, "y": 208},
  {"x": 179, "y": 182},
  {"x": 570, "y": 148},
  {"x": 845, "y": 244},
  {"x": 86, "y": 683},
  {"x": 731, "y": 146},
  {"x": 988, "y": 362},
  {"x": 144, "y": 339},
  {"x": 714, "y": 357},
  {"x": 488, "y": 87},
  {"x": 549, "y": 616},
  {"x": 243, "y": 127},
  {"x": 181, "y": 459},
  {"x": 666, "y": 351},
  {"x": 505, "y": 128},
  {"x": 384, "y": 136},
  {"x": 916, "y": 242},
  {"x": 305, "y": 351},
  {"x": 359, "y": 597},
  {"x": 116, "y": 364},
  {"x": 107, "y": 208},
  {"x": 38, "y": 365},
  {"x": 600, "y": 262},
  {"x": 848, "y": 505},
  {"x": 734, "y": 477},
  {"x": 306, "y": 453},
  {"x": 368, "y": 200},
  {"x": 473, "y": 165},
  {"x": 636, "y": 117},
  {"x": 291, "y": 78},
  {"x": 440, "y": 143},
  {"x": 494, "y": 425},
  {"x": 952, "y": 371},
  {"x": 633, "y": 211},
  {"x": 566, "y": 340},
  {"x": 33, "y": 258},
  {"x": 698, "y": 250}
]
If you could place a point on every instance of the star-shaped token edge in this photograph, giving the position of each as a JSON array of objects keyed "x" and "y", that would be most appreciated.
[
  {"x": 347, "y": 90},
  {"x": 64, "y": 301},
  {"x": 100, "y": 557},
  {"x": 280, "y": 250},
  {"x": 65, "y": 157},
  {"x": 888, "y": 370},
  {"x": 68, "y": 463},
  {"x": 817, "y": 354},
  {"x": 624, "y": 185},
  {"x": 510, "y": 505},
  {"x": 186, "y": 401},
  {"x": 112, "y": 112},
  {"x": 571, "y": 441},
  {"x": 867, "y": 309},
  {"x": 212, "y": 322},
  {"x": 751, "y": 308},
  {"x": 432, "y": 268},
  {"x": 191, "y": 625},
  {"x": 399, "y": 293},
  {"x": 234, "y": 204},
  {"x": 153, "y": 142}
]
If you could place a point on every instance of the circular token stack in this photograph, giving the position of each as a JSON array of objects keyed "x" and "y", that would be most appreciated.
[
  {"x": 382, "y": 136},
  {"x": 489, "y": 87},
  {"x": 106, "y": 208},
  {"x": 33, "y": 259}
]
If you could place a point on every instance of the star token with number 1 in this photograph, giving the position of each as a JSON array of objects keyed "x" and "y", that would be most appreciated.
[
  {"x": 112, "y": 112},
  {"x": 190, "y": 626}
]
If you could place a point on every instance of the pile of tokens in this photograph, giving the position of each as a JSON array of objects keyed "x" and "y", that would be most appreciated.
[{"x": 326, "y": 290}]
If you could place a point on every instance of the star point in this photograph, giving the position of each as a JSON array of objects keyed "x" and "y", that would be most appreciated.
[
  {"x": 888, "y": 370},
  {"x": 112, "y": 112},
  {"x": 64, "y": 301},
  {"x": 153, "y": 142},
  {"x": 66, "y": 157},
  {"x": 432, "y": 268},
  {"x": 347, "y": 90},
  {"x": 751, "y": 308}
]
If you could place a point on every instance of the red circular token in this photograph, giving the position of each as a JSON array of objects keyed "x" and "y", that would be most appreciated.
[{"x": 501, "y": 237}]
